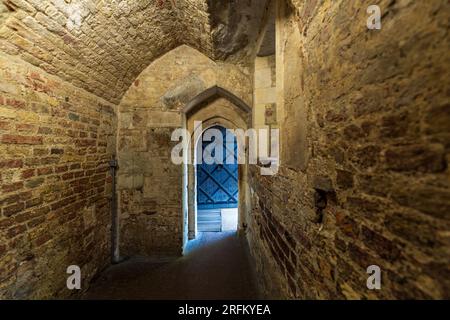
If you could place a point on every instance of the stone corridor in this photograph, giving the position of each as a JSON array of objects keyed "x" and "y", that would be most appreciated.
[
  {"x": 215, "y": 266},
  {"x": 341, "y": 111}
]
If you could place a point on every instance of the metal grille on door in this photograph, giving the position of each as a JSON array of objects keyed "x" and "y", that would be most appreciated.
[{"x": 217, "y": 184}]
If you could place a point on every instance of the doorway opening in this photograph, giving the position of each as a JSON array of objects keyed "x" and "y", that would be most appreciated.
[
  {"x": 215, "y": 106},
  {"x": 217, "y": 176}
]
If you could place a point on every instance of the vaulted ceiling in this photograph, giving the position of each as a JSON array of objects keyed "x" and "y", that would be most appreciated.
[{"x": 103, "y": 45}]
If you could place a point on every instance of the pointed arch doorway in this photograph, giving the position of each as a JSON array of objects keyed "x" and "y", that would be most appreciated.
[{"x": 215, "y": 106}]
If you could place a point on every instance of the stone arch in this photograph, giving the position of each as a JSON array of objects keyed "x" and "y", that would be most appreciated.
[
  {"x": 212, "y": 92},
  {"x": 5, "y": 11},
  {"x": 152, "y": 108},
  {"x": 193, "y": 77},
  {"x": 235, "y": 114}
]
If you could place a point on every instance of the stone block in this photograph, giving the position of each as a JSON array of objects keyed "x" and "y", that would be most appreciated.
[
  {"x": 438, "y": 119},
  {"x": 427, "y": 199},
  {"x": 419, "y": 157},
  {"x": 413, "y": 228},
  {"x": 323, "y": 183},
  {"x": 184, "y": 91},
  {"x": 384, "y": 247},
  {"x": 263, "y": 78},
  {"x": 265, "y": 96},
  {"x": 162, "y": 119},
  {"x": 344, "y": 179},
  {"x": 135, "y": 181}
]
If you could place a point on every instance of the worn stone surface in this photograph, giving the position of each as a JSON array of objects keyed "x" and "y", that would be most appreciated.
[
  {"x": 70, "y": 39},
  {"x": 4, "y": 12},
  {"x": 360, "y": 105},
  {"x": 55, "y": 143}
]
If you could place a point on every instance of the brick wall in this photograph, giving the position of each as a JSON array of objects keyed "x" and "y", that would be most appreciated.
[
  {"x": 364, "y": 177},
  {"x": 55, "y": 143}
]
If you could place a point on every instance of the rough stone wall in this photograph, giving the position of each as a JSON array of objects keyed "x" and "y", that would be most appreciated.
[
  {"x": 234, "y": 28},
  {"x": 4, "y": 12},
  {"x": 365, "y": 142},
  {"x": 150, "y": 185},
  {"x": 55, "y": 143}
]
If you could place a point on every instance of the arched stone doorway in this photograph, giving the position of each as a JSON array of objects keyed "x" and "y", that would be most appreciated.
[
  {"x": 152, "y": 196},
  {"x": 216, "y": 174},
  {"x": 214, "y": 107}
]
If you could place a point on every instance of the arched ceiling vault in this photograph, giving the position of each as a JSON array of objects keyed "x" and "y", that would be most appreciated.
[{"x": 103, "y": 45}]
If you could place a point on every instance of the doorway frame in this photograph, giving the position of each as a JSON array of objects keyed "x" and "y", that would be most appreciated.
[
  {"x": 233, "y": 121},
  {"x": 196, "y": 150}
]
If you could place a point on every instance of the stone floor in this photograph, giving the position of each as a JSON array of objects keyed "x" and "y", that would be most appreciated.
[{"x": 215, "y": 266}]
